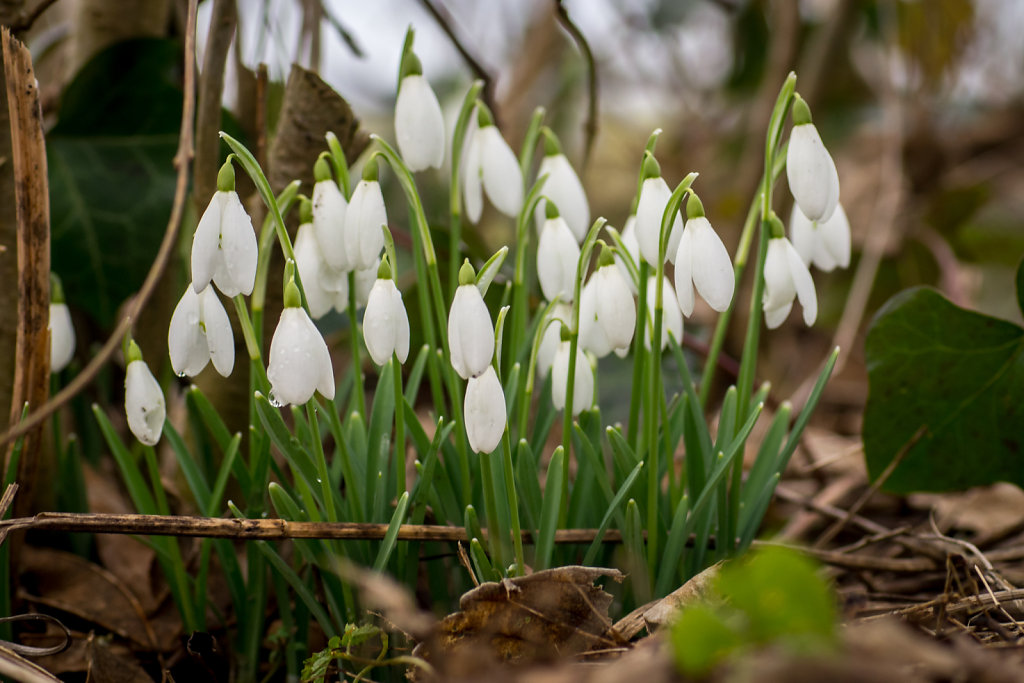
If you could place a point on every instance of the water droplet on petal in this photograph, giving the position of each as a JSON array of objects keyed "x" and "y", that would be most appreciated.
[
  {"x": 273, "y": 400},
  {"x": 181, "y": 374}
]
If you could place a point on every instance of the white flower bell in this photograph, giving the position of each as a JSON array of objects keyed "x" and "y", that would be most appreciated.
[
  {"x": 325, "y": 287},
  {"x": 200, "y": 331},
  {"x": 552, "y": 337},
  {"x": 563, "y": 187},
  {"x": 385, "y": 322},
  {"x": 419, "y": 125},
  {"x": 62, "y": 331},
  {"x": 558, "y": 255},
  {"x": 702, "y": 261},
  {"x": 470, "y": 331},
  {"x": 365, "y": 280},
  {"x": 224, "y": 247},
  {"x": 300, "y": 363},
  {"x": 812, "y": 175},
  {"x": 484, "y": 411},
  {"x": 583, "y": 384},
  {"x": 490, "y": 165},
  {"x": 671, "y": 317},
  {"x": 364, "y": 218},
  {"x": 144, "y": 404},
  {"x": 786, "y": 277},
  {"x": 607, "y": 309},
  {"x": 825, "y": 244},
  {"x": 650, "y": 207},
  {"x": 328, "y": 218}
]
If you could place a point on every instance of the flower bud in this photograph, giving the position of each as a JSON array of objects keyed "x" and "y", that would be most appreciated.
[
  {"x": 470, "y": 332},
  {"x": 386, "y": 323},
  {"x": 484, "y": 411}
]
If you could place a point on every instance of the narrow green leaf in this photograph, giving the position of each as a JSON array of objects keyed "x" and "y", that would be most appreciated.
[
  {"x": 391, "y": 537},
  {"x": 613, "y": 511},
  {"x": 549, "y": 511}
]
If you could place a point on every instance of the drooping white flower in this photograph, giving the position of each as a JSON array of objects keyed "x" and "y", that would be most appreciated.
[
  {"x": 671, "y": 317},
  {"x": 328, "y": 218},
  {"x": 224, "y": 247},
  {"x": 702, "y": 261},
  {"x": 490, "y": 165},
  {"x": 583, "y": 384},
  {"x": 812, "y": 175},
  {"x": 419, "y": 125},
  {"x": 552, "y": 337},
  {"x": 628, "y": 237},
  {"x": 365, "y": 280},
  {"x": 786, "y": 277},
  {"x": 564, "y": 189},
  {"x": 607, "y": 310},
  {"x": 200, "y": 331},
  {"x": 300, "y": 363},
  {"x": 484, "y": 411},
  {"x": 650, "y": 207},
  {"x": 325, "y": 287},
  {"x": 826, "y": 244},
  {"x": 62, "y": 330},
  {"x": 470, "y": 331},
  {"x": 144, "y": 404},
  {"x": 557, "y": 257},
  {"x": 364, "y": 238},
  {"x": 385, "y": 322}
]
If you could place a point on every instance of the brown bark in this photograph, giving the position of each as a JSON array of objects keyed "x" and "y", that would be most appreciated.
[{"x": 101, "y": 23}]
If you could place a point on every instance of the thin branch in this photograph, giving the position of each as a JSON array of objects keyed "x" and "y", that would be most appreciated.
[
  {"x": 181, "y": 163},
  {"x": 590, "y": 125}
]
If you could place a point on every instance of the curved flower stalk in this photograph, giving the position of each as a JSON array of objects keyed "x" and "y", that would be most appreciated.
[
  {"x": 490, "y": 166},
  {"x": 144, "y": 404},
  {"x": 470, "y": 331},
  {"x": 607, "y": 309},
  {"x": 300, "y": 363},
  {"x": 825, "y": 244},
  {"x": 628, "y": 237},
  {"x": 224, "y": 247},
  {"x": 557, "y": 255},
  {"x": 650, "y": 207},
  {"x": 199, "y": 332},
  {"x": 485, "y": 411},
  {"x": 583, "y": 383},
  {"x": 672, "y": 317},
  {"x": 328, "y": 219},
  {"x": 552, "y": 337},
  {"x": 419, "y": 125},
  {"x": 324, "y": 286},
  {"x": 385, "y": 322},
  {"x": 812, "y": 175},
  {"x": 563, "y": 188},
  {"x": 364, "y": 217},
  {"x": 62, "y": 330},
  {"x": 702, "y": 262},
  {"x": 785, "y": 278}
]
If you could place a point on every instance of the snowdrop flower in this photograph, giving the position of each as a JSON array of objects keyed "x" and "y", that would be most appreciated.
[
  {"x": 607, "y": 310},
  {"x": 490, "y": 165},
  {"x": 561, "y": 313},
  {"x": 365, "y": 280},
  {"x": 224, "y": 247},
  {"x": 671, "y": 317},
  {"x": 484, "y": 411},
  {"x": 200, "y": 332},
  {"x": 144, "y": 404},
  {"x": 628, "y": 237},
  {"x": 419, "y": 125},
  {"x": 825, "y": 244},
  {"x": 300, "y": 363},
  {"x": 650, "y": 207},
  {"x": 62, "y": 331},
  {"x": 702, "y": 261},
  {"x": 328, "y": 218},
  {"x": 470, "y": 331},
  {"x": 583, "y": 384},
  {"x": 325, "y": 287},
  {"x": 364, "y": 217},
  {"x": 557, "y": 257},
  {"x": 812, "y": 175},
  {"x": 563, "y": 188},
  {"x": 786, "y": 277},
  {"x": 385, "y": 322}
]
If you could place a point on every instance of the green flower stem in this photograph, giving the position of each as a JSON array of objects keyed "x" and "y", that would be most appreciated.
[
  {"x": 285, "y": 200},
  {"x": 396, "y": 367},
  {"x": 526, "y": 397},
  {"x": 529, "y": 147},
  {"x": 513, "y": 504},
  {"x": 320, "y": 460},
  {"x": 494, "y": 536},
  {"x": 454, "y": 200},
  {"x": 340, "y": 163},
  {"x": 352, "y": 489},
  {"x": 354, "y": 335},
  {"x": 520, "y": 289},
  {"x": 640, "y": 358},
  {"x": 252, "y": 345}
]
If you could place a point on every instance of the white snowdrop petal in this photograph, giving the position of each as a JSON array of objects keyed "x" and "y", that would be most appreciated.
[
  {"x": 472, "y": 186},
  {"x": 419, "y": 125},
  {"x": 186, "y": 343},
  {"x": 802, "y": 234},
  {"x": 812, "y": 175},
  {"x": 803, "y": 283},
  {"x": 238, "y": 248},
  {"x": 616, "y": 310},
  {"x": 593, "y": 336},
  {"x": 774, "y": 317},
  {"x": 329, "y": 209},
  {"x": 364, "y": 217},
  {"x": 380, "y": 321},
  {"x": 470, "y": 332},
  {"x": 484, "y": 410},
  {"x": 835, "y": 237},
  {"x": 564, "y": 188},
  {"x": 654, "y": 196},
  {"x": 308, "y": 261},
  {"x": 502, "y": 178},
  {"x": 684, "y": 270},
  {"x": 299, "y": 360},
  {"x": 205, "y": 243},
  {"x": 552, "y": 338},
  {"x": 220, "y": 340},
  {"x": 62, "y": 337},
  {"x": 401, "y": 327},
  {"x": 144, "y": 404},
  {"x": 778, "y": 282},
  {"x": 671, "y": 317},
  {"x": 557, "y": 257},
  {"x": 583, "y": 383},
  {"x": 712, "y": 268},
  {"x": 364, "y": 282}
]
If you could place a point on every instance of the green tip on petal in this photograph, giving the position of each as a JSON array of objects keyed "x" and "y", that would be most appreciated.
[
  {"x": 411, "y": 66},
  {"x": 384, "y": 269},
  {"x": 775, "y": 227},
  {"x": 371, "y": 171},
  {"x": 305, "y": 210},
  {"x": 605, "y": 257},
  {"x": 56, "y": 289},
  {"x": 483, "y": 115},
  {"x": 467, "y": 275},
  {"x": 564, "y": 334},
  {"x": 550, "y": 210},
  {"x": 322, "y": 169},
  {"x": 652, "y": 169},
  {"x": 132, "y": 352},
  {"x": 292, "y": 298},
  {"x": 801, "y": 112},
  {"x": 694, "y": 207},
  {"x": 551, "y": 144},
  {"x": 226, "y": 176}
]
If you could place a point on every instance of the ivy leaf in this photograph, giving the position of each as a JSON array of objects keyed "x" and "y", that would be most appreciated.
[{"x": 956, "y": 375}]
